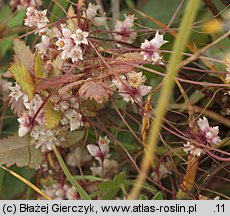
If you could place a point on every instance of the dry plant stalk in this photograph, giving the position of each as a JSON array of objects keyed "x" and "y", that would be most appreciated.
[{"x": 149, "y": 156}]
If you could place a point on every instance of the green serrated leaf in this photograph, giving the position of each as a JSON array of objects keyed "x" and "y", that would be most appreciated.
[
  {"x": 145, "y": 186},
  {"x": 22, "y": 76},
  {"x": 110, "y": 189},
  {"x": 17, "y": 150},
  {"x": 38, "y": 66},
  {"x": 120, "y": 178},
  {"x": 52, "y": 117}
]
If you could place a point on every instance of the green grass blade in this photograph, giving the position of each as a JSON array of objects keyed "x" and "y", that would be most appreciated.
[{"x": 71, "y": 179}]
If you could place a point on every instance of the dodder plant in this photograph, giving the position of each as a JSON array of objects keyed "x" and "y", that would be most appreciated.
[{"x": 73, "y": 86}]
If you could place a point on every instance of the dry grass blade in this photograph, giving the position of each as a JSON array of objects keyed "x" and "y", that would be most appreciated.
[
  {"x": 189, "y": 16},
  {"x": 27, "y": 183}
]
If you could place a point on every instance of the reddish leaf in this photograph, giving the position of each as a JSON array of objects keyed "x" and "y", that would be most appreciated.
[
  {"x": 56, "y": 82},
  {"x": 96, "y": 90},
  {"x": 17, "y": 106}
]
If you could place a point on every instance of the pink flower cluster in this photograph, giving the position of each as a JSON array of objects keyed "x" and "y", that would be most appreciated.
[
  {"x": 101, "y": 153},
  {"x": 131, "y": 87},
  {"x": 22, "y": 4},
  {"x": 150, "y": 49},
  {"x": 70, "y": 44},
  {"x": 37, "y": 18},
  {"x": 67, "y": 52},
  {"x": 58, "y": 191},
  {"x": 32, "y": 119},
  {"x": 123, "y": 30},
  {"x": 209, "y": 135}
]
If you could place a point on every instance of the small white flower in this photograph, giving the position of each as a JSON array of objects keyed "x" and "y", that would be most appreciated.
[
  {"x": 101, "y": 151},
  {"x": 43, "y": 46},
  {"x": 193, "y": 150},
  {"x": 45, "y": 138},
  {"x": 150, "y": 48},
  {"x": 123, "y": 30},
  {"x": 55, "y": 191},
  {"x": 31, "y": 19},
  {"x": 91, "y": 11},
  {"x": 24, "y": 125},
  {"x": 71, "y": 194},
  {"x": 203, "y": 124},
  {"x": 36, "y": 18},
  {"x": 75, "y": 119},
  {"x": 103, "y": 141},
  {"x": 69, "y": 44},
  {"x": 129, "y": 20},
  {"x": 75, "y": 54},
  {"x": 15, "y": 92},
  {"x": 65, "y": 42},
  {"x": 80, "y": 37},
  {"x": 59, "y": 191},
  {"x": 131, "y": 87},
  {"x": 210, "y": 133}
]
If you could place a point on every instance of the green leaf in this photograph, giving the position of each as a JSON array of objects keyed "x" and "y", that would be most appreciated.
[
  {"x": 24, "y": 54},
  {"x": 2, "y": 174},
  {"x": 17, "y": 20},
  {"x": 71, "y": 179},
  {"x": 22, "y": 76},
  {"x": 5, "y": 26},
  {"x": 17, "y": 150},
  {"x": 4, "y": 13},
  {"x": 6, "y": 44},
  {"x": 110, "y": 189},
  {"x": 162, "y": 11},
  {"x": 143, "y": 197},
  {"x": 158, "y": 196},
  {"x": 38, "y": 66},
  {"x": 145, "y": 186},
  {"x": 52, "y": 117},
  {"x": 73, "y": 137},
  {"x": 57, "y": 11},
  {"x": 196, "y": 96},
  {"x": 12, "y": 188}
]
